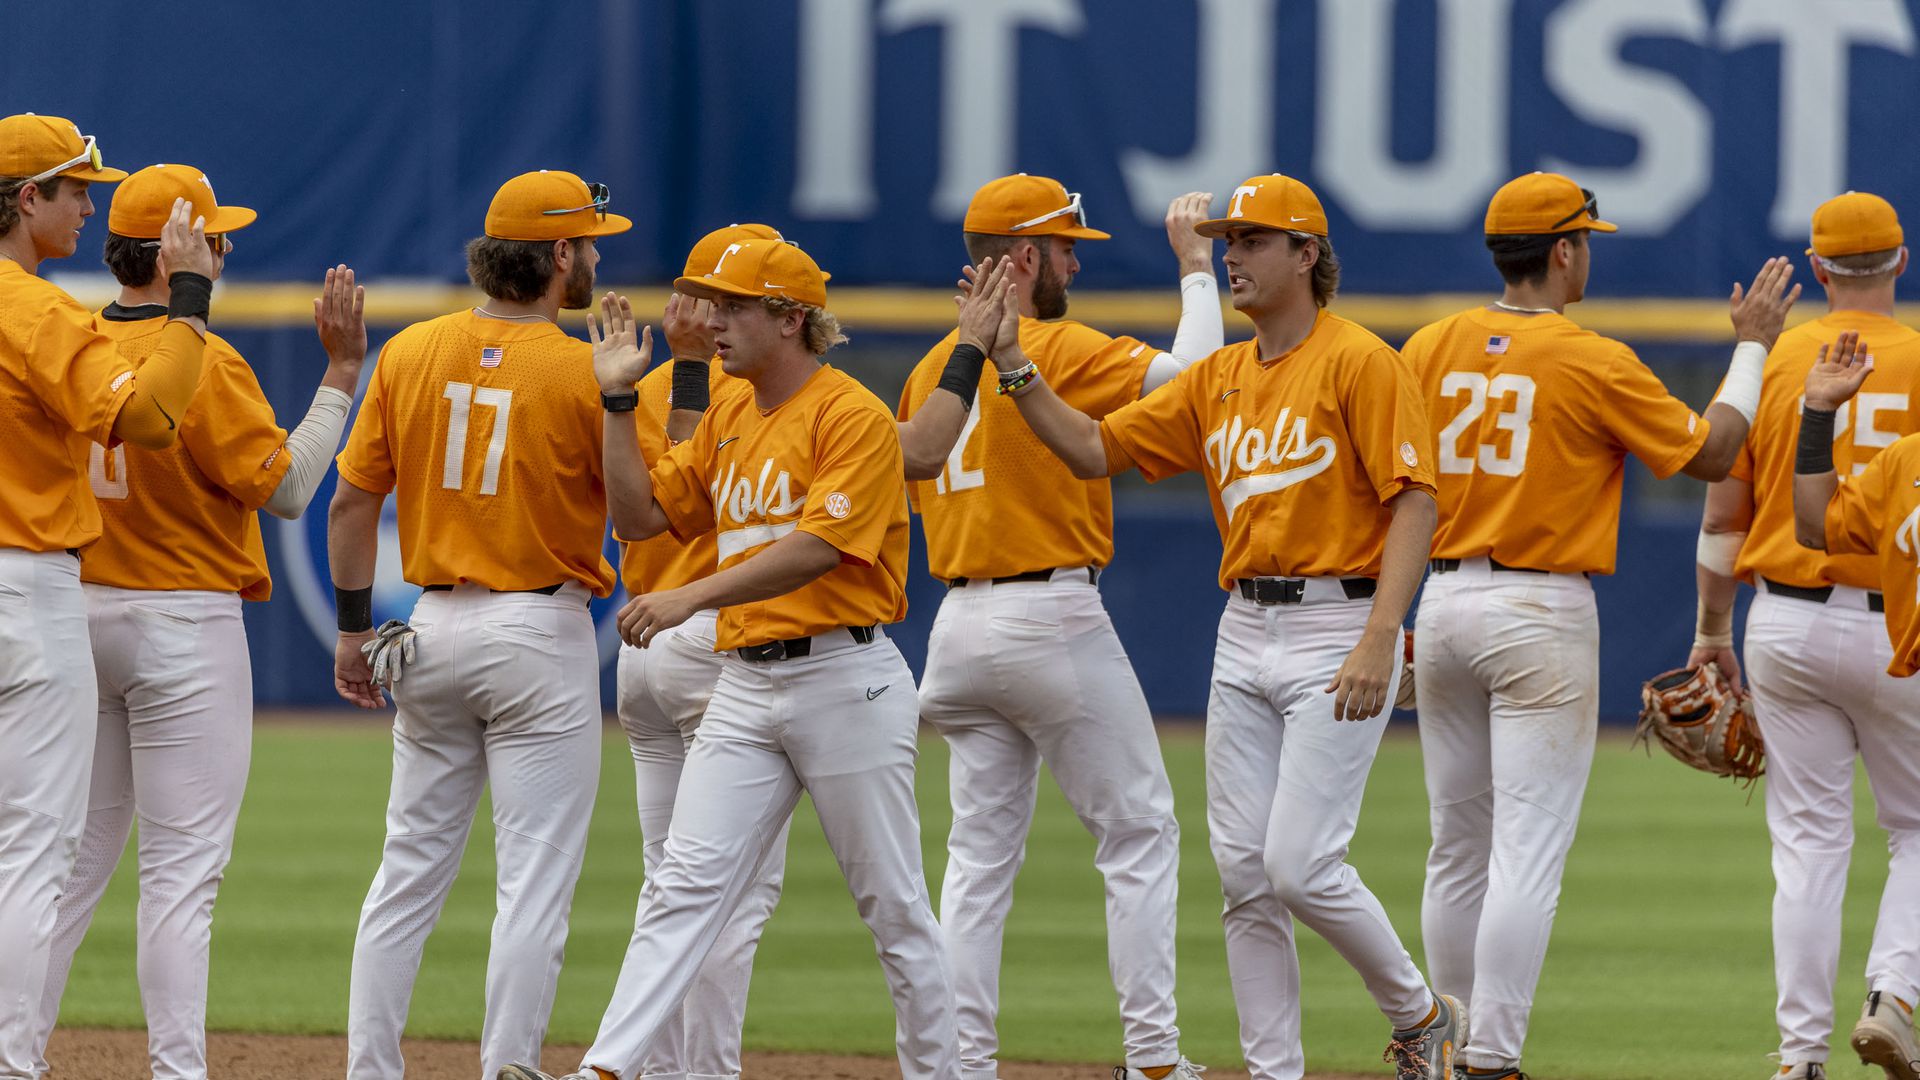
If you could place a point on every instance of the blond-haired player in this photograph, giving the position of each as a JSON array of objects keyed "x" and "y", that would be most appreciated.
[
  {"x": 1318, "y": 460},
  {"x": 1059, "y": 688},
  {"x": 62, "y": 383},
  {"x": 1536, "y": 417},
  {"x": 800, "y": 485},
  {"x": 164, "y": 587},
  {"x": 487, "y": 426},
  {"x": 664, "y": 688},
  {"x": 1817, "y": 652}
]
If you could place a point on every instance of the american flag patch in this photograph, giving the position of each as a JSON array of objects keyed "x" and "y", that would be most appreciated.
[
  {"x": 1497, "y": 344},
  {"x": 490, "y": 355}
]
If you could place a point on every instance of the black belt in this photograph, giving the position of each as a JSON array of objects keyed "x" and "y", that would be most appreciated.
[
  {"x": 1277, "y": 590},
  {"x": 1875, "y": 601},
  {"x": 75, "y": 552},
  {"x": 544, "y": 590},
  {"x": 1448, "y": 566},
  {"x": 793, "y": 648},
  {"x": 1092, "y": 572}
]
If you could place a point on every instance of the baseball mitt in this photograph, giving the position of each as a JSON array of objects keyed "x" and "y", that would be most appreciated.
[
  {"x": 1405, "y": 698},
  {"x": 1701, "y": 719}
]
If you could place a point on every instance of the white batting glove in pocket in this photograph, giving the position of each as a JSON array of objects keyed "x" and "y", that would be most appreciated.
[{"x": 390, "y": 651}]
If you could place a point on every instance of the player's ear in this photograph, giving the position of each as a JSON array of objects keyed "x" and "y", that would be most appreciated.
[
  {"x": 563, "y": 255},
  {"x": 1901, "y": 267}
]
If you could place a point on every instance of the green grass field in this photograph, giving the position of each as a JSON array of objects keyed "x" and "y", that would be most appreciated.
[{"x": 1660, "y": 965}]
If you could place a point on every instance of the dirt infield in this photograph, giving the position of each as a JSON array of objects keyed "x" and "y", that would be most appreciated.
[{"x": 91, "y": 1054}]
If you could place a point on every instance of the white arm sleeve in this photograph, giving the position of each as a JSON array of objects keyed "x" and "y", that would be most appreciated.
[
  {"x": 1200, "y": 333},
  {"x": 311, "y": 446}
]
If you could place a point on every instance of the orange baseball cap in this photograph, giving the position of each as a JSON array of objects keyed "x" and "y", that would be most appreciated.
[
  {"x": 1854, "y": 224},
  {"x": 760, "y": 267},
  {"x": 1540, "y": 203},
  {"x": 142, "y": 205},
  {"x": 551, "y": 205},
  {"x": 1022, "y": 205},
  {"x": 48, "y": 146},
  {"x": 1272, "y": 201}
]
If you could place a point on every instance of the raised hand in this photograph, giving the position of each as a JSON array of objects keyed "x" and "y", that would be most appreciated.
[
  {"x": 685, "y": 325},
  {"x": 622, "y": 349},
  {"x": 1838, "y": 372},
  {"x": 1759, "y": 312},
  {"x": 183, "y": 242},
  {"x": 981, "y": 306},
  {"x": 339, "y": 316},
  {"x": 1194, "y": 251}
]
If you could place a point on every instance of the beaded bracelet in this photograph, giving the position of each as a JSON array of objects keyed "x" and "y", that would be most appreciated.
[{"x": 1018, "y": 378}]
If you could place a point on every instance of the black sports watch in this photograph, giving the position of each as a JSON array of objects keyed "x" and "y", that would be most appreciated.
[{"x": 619, "y": 400}]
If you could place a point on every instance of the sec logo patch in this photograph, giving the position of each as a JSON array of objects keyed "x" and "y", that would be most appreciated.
[
  {"x": 1407, "y": 455},
  {"x": 838, "y": 505}
]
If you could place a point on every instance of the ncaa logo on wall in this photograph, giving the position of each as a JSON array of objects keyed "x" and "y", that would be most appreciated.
[{"x": 304, "y": 562}]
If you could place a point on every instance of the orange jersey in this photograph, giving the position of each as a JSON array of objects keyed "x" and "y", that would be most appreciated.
[
  {"x": 1877, "y": 513},
  {"x": 662, "y": 562},
  {"x": 185, "y": 517},
  {"x": 991, "y": 486},
  {"x": 58, "y": 376},
  {"x": 489, "y": 431},
  {"x": 1880, "y": 413},
  {"x": 1535, "y": 418},
  {"x": 826, "y": 462},
  {"x": 1301, "y": 453}
]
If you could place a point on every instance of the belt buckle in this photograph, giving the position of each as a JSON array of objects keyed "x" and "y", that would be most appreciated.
[
  {"x": 1270, "y": 591},
  {"x": 762, "y": 653}
]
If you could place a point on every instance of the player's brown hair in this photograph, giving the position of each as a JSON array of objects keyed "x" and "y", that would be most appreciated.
[
  {"x": 516, "y": 270},
  {"x": 1523, "y": 258},
  {"x": 983, "y": 246},
  {"x": 10, "y": 187},
  {"x": 1865, "y": 260},
  {"x": 820, "y": 333},
  {"x": 132, "y": 262},
  {"x": 1326, "y": 268}
]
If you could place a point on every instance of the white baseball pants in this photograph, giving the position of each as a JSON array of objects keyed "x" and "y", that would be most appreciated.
[
  {"x": 1508, "y": 667},
  {"x": 664, "y": 690},
  {"x": 1284, "y": 785},
  {"x": 1023, "y": 672},
  {"x": 174, "y": 740},
  {"x": 49, "y": 704},
  {"x": 1822, "y": 696},
  {"x": 839, "y": 724},
  {"x": 505, "y": 691}
]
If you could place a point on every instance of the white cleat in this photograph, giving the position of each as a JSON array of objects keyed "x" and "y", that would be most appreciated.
[
  {"x": 1806, "y": 1070},
  {"x": 1428, "y": 1053},
  {"x": 528, "y": 1072},
  {"x": 1884, "y": 1037},
  {"x": 1182, "y": 1070}
]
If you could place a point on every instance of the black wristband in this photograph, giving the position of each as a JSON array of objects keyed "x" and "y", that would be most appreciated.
[
  {"x": 691, "y": 390},
  {"x": 192, "y": 295},
  {"x": 619, "y": 401},
  {"x": 1816, "y": 442},
  {"x": 962, "y": 374},
  {"x": 354, "y": 608}
]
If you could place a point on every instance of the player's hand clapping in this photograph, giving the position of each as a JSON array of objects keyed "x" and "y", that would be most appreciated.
[
  {"x": 1760, "y": 311},
  {"x": 982, "y": 301},
  {"x": 685, "y": 325},
  {"x": 1838, "y": 372},
  {"x": 622, "y": 349},
  {"x": 1194, "y": 251},
  {"x": 339, "y": 317},
  {"x": 183, "y": 242}
]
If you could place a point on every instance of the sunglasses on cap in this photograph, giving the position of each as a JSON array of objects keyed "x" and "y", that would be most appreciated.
[
  {"x": 1591, "y": 208},
  {"x": 600, "y": 195},
  {"x": 1073, "y": 207},
  {"x": 218, "y": 243},
  {"x": 88, "y": 156}
]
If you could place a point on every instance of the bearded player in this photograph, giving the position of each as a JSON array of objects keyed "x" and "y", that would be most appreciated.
[
  {"x": 1317, "y": 458},
  {"x": 1822, "y": 707},
  {"x": 1536, "y": 418}
]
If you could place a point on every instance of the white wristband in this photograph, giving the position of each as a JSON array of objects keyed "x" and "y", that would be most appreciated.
[
  {"x": 1712, "y": 629},
  {"x": 1741, "y": 391},
  {"x": 1719, "y": 551}
]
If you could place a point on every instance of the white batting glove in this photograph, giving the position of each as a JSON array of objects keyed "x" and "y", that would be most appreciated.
[{"x": 390, "y": 651}]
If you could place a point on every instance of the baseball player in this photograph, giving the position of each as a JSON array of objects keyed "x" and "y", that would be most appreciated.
[
  {"x": 488, "y": 425},
  {"x": 1023, "y": 664},
  {"x": 1821, "y": 707},
  {"x": 1535, "y": 417},
  {"x": 62, "y": 382},
  {"x": 1318, "y": 460},
  {"x": 665, "y": 687},
  {"x": 164, "y": 586},
  {"x": 800, "y": 485}
]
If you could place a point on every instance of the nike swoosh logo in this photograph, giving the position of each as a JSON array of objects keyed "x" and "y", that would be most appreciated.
[
  {"x": 871, "y": 694},
  {"x": 771, "y": 285},
  {"x": 165, "y": 413},
  {"x": 1297, "y": 217},
  {"x": 725, "y": 441},
  {"x": 1229, "y": 393}
]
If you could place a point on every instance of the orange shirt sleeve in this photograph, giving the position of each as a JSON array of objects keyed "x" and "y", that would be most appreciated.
[
  {"x": 1109, "y": 377},
  {"x": 77, "y": 372},
  {"x": 1158, "y": 434},
  {"x": 856, "y": 485},
  {"x": 231, "y": 433},
  {"x": 1650, "y": 423},
  {"x": 1387, "y": 421},
  {"x": 680, "y": 484},
  {"x": 367, "y": 461},
  {"x": 1854, "y": 512}
]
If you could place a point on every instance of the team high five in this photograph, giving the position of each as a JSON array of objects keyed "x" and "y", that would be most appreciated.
[{"x": 763, "y": 500}]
